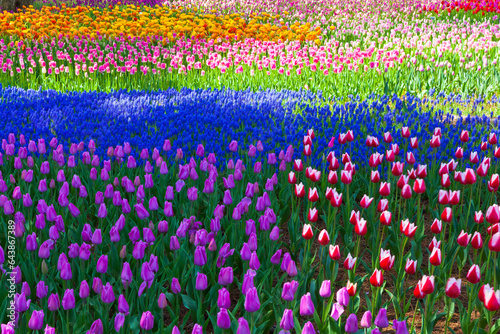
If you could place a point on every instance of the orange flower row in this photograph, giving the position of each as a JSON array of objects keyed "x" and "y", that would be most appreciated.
[{"x": 148, "y": 21}]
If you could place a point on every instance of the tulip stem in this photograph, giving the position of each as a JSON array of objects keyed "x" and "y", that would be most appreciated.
[
  {"x": 447, "y": 302},
  {"x": 414, "y": 316}
]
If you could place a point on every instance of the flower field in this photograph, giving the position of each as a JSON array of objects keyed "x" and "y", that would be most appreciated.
[{"x": 250, "y": 166}]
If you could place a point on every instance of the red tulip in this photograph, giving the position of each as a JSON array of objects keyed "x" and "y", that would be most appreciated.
[
  {"x": 422, "y": 171},
  {"x": 346, "y": 158},
  {"x": 336, "y": 200},
  {"x": 427, "y": 284},
  {"x": 323, "y": 238},
  {"x": 494, "y": 244},
  {"x": 417, "y": 292},
  {"x": 355, "y": 217},
  {"x": 411, "y": 174},
  {"x": 454, "y": 197},
  {"x": 312, "y": 215},
  {"x": 307, "y": 150},
  {"x": 315, "y": 175},
  {"x": 405, "y": 132},
  {"x": 494, "y": 181},
  {"x": 385, "y": 189},
  {"x": 307, "y": 232},
  {"x": 435, "y": 257},
  {"x": 452, "y": 288},
  {"x": 443, "y": 197},
  {"x": 436, "y": 226},
  {"x": 414, "y": 142},
  {"x": 349, "y": 262},
  {"x": 410, "y": 267},
  {"x": 443, "y": 169},
  {"x": 484, "y": 146},
  {"x": 390, "y": 156},
  {"x": 383, "y": 205},
  {"x": 492, "y": 299},
  {"x": 366, "y": 202},
  {"x": 350, "y": 136},
  {"x": 419, "y": 186},
  {"x": 477, "y": 240},
  {"x": 377, "y": 278},
  {"x": 463, "y": 239},
  {"x": 300, "y": 191},
  {"x": 464, "y": 136},
  {"x": 395, "y": 148},
  {"x": 493, "y": 214},
  {"x": 386, "y": 260},
  {"x": 387, "y": 137},
  {"x": 435, "y": 142},
  {"x": 478, "y": 217},
  {"x": 406, "y": 191},
  {"x": 307, "y": 140},
  {"x": 470, "y": 176},
  {"x": 403, "y": 179},
  {"x": 410, "y": 158},
  {"x": 313, "y": 195},
  {"x": 437, "y": 131},
  {"x": 297, "y": 165},
  {"x": 493, "y": 229},
  {"x": 474, "y": 158},
  {"x": 329, "y": 193},
  {"x": 434, "y": 244},
  {"x": 375, "y": 176},
  {"x": 474, "y": 274},
  {"x": 291, "y": 178},
  {"x": 334, "y": 252},
  {"x": 459, "y": 153},
  {"x": 385, "y": 218},
  {"x": 397, "y": 168},
  {"x": 492, "y": 139},
  {"x": 360, "y": 228},
  {"x": 342, "y": 138},
  {"x": 445, "y": 180},
  {"x": 310, "y": 133},
  {"x": 351, "y": 288},
  {"x": 332, "y": 177},
  {"x": 346, "y": 177},
  {"x": 447, "y": 215},
  {"x": 482, "y": 170}
]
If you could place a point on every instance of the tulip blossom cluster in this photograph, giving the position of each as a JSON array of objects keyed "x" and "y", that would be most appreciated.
[{"x": 125, "y": 234}]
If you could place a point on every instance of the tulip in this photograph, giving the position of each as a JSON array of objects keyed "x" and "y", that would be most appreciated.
[
  {"x": 324, "y": 238},
  {"x": 463, "y": 239},
  {"x": 494, "y": 243},
  {"x": 36, "y": 321},
  {"x": 308, "y": 328},
  {"x": 452, "y": 288},
  {"x": 306, "y": 305},
  {"x": 491, "y": 299},
  {"x": 337, "y": 311},
  {"x": 377, "y": 278},
  {"x": 243, "y": 327},
  {"x": 435, "y": 257},
  {"x": 474, "y": 274},
  {"x": 201, "y": 282},
  {"x": 343, "y": 296},
  {"x": 351, "y": 325},
  {"x": 252, "y": 303},
  {"x": 147, "y": 321}
]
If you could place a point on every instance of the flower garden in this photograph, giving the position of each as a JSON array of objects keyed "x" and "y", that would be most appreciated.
[{"x": 250, "y": 166}]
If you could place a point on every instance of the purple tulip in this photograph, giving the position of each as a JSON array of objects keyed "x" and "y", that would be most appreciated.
[
  {"x": 142, "y": 213},
  {"x": 97, "y": 285},
  {"x": 243, "y": 327},
  {"x": 53, "y": 302},
  {"x": 289, "y": 289},
  {"x": 41, "y": 290},
  {"x": 223, "y": 300},
  {"x": 306, "y": 305},
  {"x": 400, "y": 326},
  {"x": 97, "y": 237},
  {"x": 308, "y": 328},
  {"x": 31, "y": 244},
  {"x": 201, "y": 282},
  {"x": 168, "y": 209},
  {"x": 66, "y": 273},
  {"x": 366, "y": 320},
  {"x": 287, "y": 322},
  {"x": 200, "y": 256},
  {"x": 107, "y": 294},
  {"x": 139, "y": 248},
  {"x": 36, "y": 321},
  {"x": 252, "y": 303},
  {"x": 223, "y": 320},
  {"x": 162, "y": 301},
  {"x": 84, "y": 251},
  {"x": 381, "y": 320},
  {"x": 337, "y": 311},
  {"x": 226, "y": 276},
  {"x": 97, "y": 327},
  {"x": 351, "y": 325},
  {"x": 275, "y": 234},
  {"x": 68, "y": 301},
  {"x": 84, "y": 291},
  {"x": 276, "y": 258},
  {"x": 123, "y": 306},
  {"x": 102, "y": 264},
  {"x": 325, "y": 291},
  {"x": 147, "y": 321},
  {"x": 119, "y": 321},
  {"x": 175, "y": 286},
  {"x": 21, "y": 304},
  {"x": 343, "y": 297}
]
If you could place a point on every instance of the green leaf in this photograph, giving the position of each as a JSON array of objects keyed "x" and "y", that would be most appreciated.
[{"x": 189, "y": 303}]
